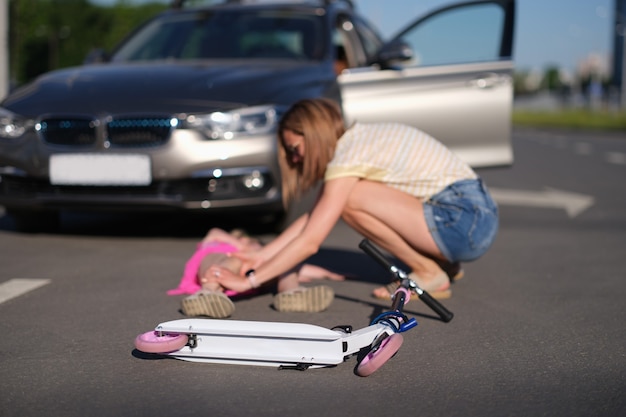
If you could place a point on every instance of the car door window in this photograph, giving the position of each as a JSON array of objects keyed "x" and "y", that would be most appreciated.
[
  {"x": 450, "y": 75},
  {"x": 357, "y": 39},
  {"x": 461, "y": 35},
  {"x": 369, "y": 38},
  {"x": 343, "y": 47}
]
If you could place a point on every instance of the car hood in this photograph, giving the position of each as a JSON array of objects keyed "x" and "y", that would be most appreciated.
[{"x": 169, "y": 88}]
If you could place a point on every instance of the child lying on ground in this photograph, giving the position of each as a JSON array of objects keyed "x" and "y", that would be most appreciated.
[{"x": 209, "y": 298}]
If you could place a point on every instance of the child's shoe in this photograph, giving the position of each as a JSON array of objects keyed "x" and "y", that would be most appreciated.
[
  {"x": 305, "y": 299},
  {"x": 208, "y": 303}
]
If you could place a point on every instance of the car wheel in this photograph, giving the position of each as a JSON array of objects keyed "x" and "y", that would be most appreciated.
[
  {"x": 279, "y": 222},
  {"x": 35, "y": 221}
]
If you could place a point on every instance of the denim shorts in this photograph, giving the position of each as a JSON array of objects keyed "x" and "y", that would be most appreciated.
[{"x": 463, "y": 220}]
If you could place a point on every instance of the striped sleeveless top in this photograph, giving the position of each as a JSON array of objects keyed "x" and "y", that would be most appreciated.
[{"x": 398, "y": 155}]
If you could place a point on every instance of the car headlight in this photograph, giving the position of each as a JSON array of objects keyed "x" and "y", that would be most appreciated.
[
  {"x": 231, "y": 124},
  {"x": 13, "y": 126}
]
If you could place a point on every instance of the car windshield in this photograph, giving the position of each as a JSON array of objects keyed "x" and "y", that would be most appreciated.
[{"x": 228, "y": 34}]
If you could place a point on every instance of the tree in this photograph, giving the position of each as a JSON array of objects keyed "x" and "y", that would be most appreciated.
[
  {"x": 49, "y": 34},
  {"x": 552, "y": 79}
]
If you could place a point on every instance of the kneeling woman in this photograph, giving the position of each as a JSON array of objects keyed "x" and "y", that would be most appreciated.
[{"x": 394, "y": 184}]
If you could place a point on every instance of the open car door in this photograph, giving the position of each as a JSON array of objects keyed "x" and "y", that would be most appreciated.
[{"x": 450, "y": 74}]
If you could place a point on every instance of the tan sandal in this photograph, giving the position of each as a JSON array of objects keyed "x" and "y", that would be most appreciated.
[
  {"x": 305, "y": 300},
  {"x": 439, "y": 289},
  {"x": 384, "y": 292},
  {"x": 454, "y": 270}
]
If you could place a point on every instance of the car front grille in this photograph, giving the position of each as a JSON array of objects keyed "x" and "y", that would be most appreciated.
[
  {"x": 139, "y": 132},
  {"x": 68, "y": 131},
  {"x": 130, "y": 132}
]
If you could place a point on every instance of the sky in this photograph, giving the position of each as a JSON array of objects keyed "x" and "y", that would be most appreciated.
[{"x": 548, "y": 32}]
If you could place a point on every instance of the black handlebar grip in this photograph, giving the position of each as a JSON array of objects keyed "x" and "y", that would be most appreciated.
[
  {"x": 445, "y": 314},
  {"x": 371, "y": 250},
  {"x": 435, "y": 305}
]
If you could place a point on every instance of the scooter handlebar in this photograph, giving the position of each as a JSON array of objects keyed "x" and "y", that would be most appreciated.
[
  {"x": 435, "y": 305},
  {"x": 445, "y": 314},
  {"x": 372, "y": 251}
]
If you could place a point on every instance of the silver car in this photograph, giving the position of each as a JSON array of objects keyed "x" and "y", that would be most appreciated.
[{"x": 182, "y": 115}]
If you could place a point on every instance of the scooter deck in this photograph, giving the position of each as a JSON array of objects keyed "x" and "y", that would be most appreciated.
[
  {"x": 250, "y": 328},
  {"x": 257, "y": 342}
]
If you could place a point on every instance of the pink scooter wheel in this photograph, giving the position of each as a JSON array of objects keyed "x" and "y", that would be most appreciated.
[
  {"x": 377, "y": 357},
  {"x": 157, "y": 342}
]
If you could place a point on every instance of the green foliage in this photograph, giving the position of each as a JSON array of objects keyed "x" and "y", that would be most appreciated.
[
  {"x": 552, "y": 79},
  {"x": 48, "y": 34},
  {"x": 572, "y": 119}
]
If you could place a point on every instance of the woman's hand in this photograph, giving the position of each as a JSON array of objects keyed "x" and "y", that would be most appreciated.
[
  {"x": 230, "y": 280},
  {"x": 249, "y": 260}
]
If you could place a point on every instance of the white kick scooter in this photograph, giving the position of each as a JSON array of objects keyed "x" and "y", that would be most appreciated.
[{"x": 293, "y": 345}]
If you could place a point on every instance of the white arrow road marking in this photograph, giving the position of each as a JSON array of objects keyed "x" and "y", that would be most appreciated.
[
  {"x": 572, "y": 203},
  {"x": 617, "y": 158},
  {"x": 18, "y": 286}
]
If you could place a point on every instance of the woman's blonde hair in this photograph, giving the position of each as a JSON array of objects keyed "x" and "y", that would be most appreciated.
[{"x": 321, "y": 124}]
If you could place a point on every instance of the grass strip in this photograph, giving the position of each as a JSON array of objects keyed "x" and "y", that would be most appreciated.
[{"x": 572, "y": 119}]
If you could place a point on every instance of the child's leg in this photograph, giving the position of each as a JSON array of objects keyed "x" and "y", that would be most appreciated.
[
  {"x": 292, "y": 297},
  {"x": 310, "y": 272},
  {"x": 288, "y": 281},
  {"x": 216, "y": 235},
  {"x": 207, "y": 279},
  {"x": 209, "y": 282}
]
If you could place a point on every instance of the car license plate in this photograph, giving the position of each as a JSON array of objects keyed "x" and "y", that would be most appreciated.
[{"x": 95, "y": 169}]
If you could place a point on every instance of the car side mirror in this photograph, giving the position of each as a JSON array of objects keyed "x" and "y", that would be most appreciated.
[
  {"x": 395, "y": 51},
  {"x": 96, "y": 56}
]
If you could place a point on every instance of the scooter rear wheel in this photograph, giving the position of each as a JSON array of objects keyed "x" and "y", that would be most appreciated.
[
  {"x": 159, "y": 342},
  {"x": 380, "y": 354}
]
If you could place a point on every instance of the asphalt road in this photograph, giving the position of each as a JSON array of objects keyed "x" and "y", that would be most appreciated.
[{"x": 538, "y": 326}]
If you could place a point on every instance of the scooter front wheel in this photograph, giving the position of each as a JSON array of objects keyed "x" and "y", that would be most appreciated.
[
  {"x": 380, "y": 354},
  {"x": 160, "y": 342}
]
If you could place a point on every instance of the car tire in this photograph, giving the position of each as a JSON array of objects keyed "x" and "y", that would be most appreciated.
[
  {"x": 279, "y": 221},
  {"x": 35, "y": 221}
]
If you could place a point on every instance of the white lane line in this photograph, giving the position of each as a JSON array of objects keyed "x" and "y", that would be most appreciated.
[
  {"x": 19, "y": 286},
  {"x": 582, "y": 148},
  {"x": 618, "y": 158}
]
